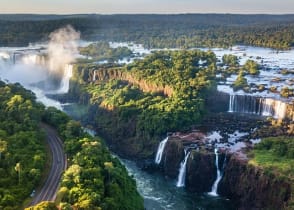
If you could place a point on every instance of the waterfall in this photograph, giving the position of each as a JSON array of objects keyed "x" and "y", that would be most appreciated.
[
  {"x": 182, "y": 172},
  {"x": 256, "y": 105},
  {"x": 218, "y": 177},
  {"x": 94, "y": 76},
  {"x": 64, "y": 85},
  {"x": 160, "y": 150},
  {"x": 232, "y": 99}
]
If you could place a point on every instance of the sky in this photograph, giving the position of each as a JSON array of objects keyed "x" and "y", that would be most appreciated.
[{"x": 147, "y": 6}]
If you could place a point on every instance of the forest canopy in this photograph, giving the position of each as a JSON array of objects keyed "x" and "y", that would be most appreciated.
[{"x": 157, "y": 31}]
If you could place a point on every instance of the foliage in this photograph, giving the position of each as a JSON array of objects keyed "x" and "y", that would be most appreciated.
[
  {"x": 45, "y": 205},
  {"x": 251, "y": 67},
  {"x": 241, "y": 82},
  {"x": 230, "y": 60},
  {"x": 142, "y": 101},
  {"x": 287, "y": 92},
  {"x": 94, "y": 179},
  {"x": 100, "y": 51},
  {"x": 275, "y": 155},
  {"x": 158, "y": 31},
  {"x": 22, "y": 151}
]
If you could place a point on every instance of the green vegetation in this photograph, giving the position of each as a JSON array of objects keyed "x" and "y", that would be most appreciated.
[
  {"x": 158, "y": 31},
  {"x": 100, "y": 51},
  {"x": 22, "y": 150},
  {"x": 275, "y": 155},
  {"x": 139, "y": 103},
  {"x": 241, "y": 82},
  {"x": 251, "y": 67},
  {"x": 287, "y": 92},
  {"x": 94, "y": 179},
  {"x": 230, "y": 60}
]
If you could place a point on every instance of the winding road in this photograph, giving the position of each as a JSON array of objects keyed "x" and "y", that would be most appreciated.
[{"x": 58, "y": 165}]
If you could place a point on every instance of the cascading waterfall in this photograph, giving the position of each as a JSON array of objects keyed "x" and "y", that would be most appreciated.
[
  {"x": 256, "y": 105},
  {"x": 64, "y": 85},
  {"x": 218, "y": 177},
  {"x": 182, "y": 172},
  {"x": 94, "y": 76},
  {"x": 232, "y": 99},
  {"x": 160, "y": 150}
]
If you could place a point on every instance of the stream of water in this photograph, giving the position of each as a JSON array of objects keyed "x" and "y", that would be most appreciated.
[{"x": 161, "y": 193}]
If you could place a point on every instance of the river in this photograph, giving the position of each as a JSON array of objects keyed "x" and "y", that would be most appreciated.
[{"x": 159, "y": 192}]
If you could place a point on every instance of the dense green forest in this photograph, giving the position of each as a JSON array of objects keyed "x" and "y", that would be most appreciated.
[
  {"x": 139, "y": 103},
  {"x": 22, "y": 145},
  {"x": 94, "y": 179},
  {"x": 101, "y": 51},
  {"x": 159, "y": 31}
]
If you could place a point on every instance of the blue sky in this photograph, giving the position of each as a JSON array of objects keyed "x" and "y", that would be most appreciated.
[{"x": 146, "y": 6}]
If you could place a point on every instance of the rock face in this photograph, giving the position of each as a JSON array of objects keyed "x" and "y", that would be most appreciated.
[
  {"x": 172, "y": 157},
  {"x": 200, "y": 168},
  {"x": 218, "y": 102},
  {"x": 201, "y": 171},
  {"x": 252, "y": 188},
  {"x": 118, "y": 74}
]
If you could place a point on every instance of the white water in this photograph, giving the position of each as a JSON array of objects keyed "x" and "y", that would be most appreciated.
[
  {"x": 218, "y": 177},
  {"x": 94, "y": 76},
  {"x": 64, "y": 85},
  {"x": 41, "y": 97},
  {"x": 160, "y": 193},
  {"x": 182, "y": 171},
  {"x": 232, "y": 99},
  {"x": 160, "y": 150},
  {"x": 256, "y": 105}
]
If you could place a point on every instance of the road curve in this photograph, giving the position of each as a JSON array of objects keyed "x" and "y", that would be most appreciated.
[{"x": 58, "y": 165}]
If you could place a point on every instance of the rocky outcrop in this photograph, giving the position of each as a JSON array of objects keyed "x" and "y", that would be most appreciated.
[
  {"x": 201, "y": 171},
  {"x": 119, "y": 74},
  {"x": 248, "y": 186},
  {"x": 172, "y": 157},
  {"x": 290, "y": 111},
  {"x": 218, "y": 102},
  {"x": 253, "y": 188}
]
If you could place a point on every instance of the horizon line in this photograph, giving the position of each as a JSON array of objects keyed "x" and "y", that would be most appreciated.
[{"x": 180, "y": 13}]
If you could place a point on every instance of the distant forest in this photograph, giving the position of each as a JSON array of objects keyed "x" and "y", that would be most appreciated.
[{"x": 157, "y": 31}]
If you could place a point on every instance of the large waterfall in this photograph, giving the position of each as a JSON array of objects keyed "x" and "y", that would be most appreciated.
[
  {"x": 160, "y": 150},
  {"x": 257, "y": 105},
  {"x": 64, "y": 85},
  {"x": 182, "y": 171},
  {"x": 213, "y": 191}
]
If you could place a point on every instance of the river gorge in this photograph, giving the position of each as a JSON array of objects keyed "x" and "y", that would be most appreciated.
[{"x": 204, "y": 168}]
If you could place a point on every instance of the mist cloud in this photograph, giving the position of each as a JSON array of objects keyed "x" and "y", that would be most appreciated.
[{"x": 62, "y": 49}]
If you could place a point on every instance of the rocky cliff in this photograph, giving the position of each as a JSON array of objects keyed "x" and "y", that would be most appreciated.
[
  {"x": 253, "y": 188},
  {"x": 201, "y": 171},
  {"x": 249, "y": 186},
  {"x": 118, "y": 74}
]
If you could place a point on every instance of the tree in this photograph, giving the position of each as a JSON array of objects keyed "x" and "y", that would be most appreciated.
[
  {"x": 252, "y": 67},
  {"x": 18, "y": 169},
  {"x": 241, "y": 81},
  {"x": 230, "y": 60},
  {"x": 3, "y": 147}
]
